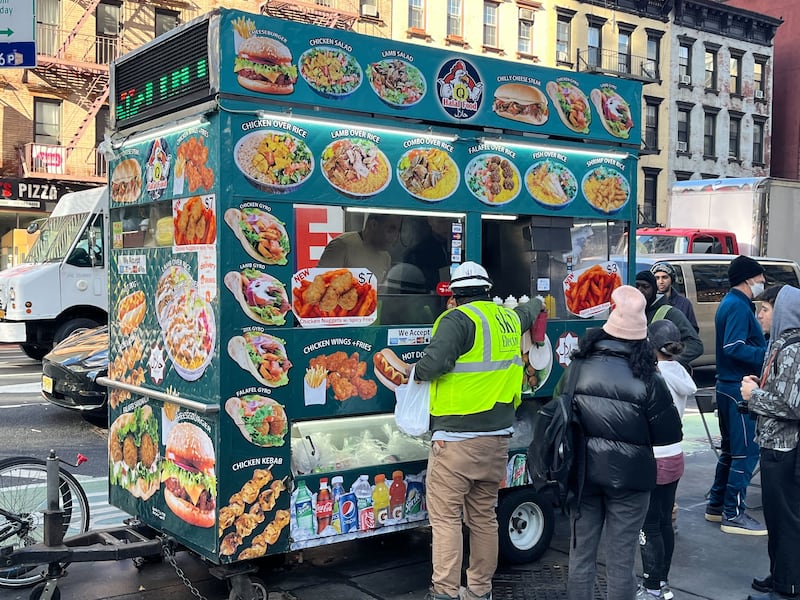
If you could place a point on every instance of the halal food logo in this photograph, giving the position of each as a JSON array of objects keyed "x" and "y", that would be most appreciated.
[{"x": 460, "y": 88}]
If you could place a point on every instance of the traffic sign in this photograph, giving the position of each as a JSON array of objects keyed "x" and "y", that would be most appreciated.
[{"x": 17, "y": 34}]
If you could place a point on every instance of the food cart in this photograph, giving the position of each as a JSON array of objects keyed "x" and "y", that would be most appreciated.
[{"x": 253, "y": 378}]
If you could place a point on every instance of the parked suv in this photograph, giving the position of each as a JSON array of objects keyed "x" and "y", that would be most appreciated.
[{"x": 703, "y": 278}]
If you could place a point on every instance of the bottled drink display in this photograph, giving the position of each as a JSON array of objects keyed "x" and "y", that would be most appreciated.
[
  {"x": 363, "y": 492},
  {"x": 380, "y": 500},
  {"x": 397, "y": 496},
  {"x": 304, "y": 511},
  {"x": 414, "y": 497},
  {"x": 337, "y": 489},
  {"x": 324, "y": 505}
]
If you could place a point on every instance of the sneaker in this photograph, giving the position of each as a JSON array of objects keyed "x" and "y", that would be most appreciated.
[
  {"x": 743, "y": 524},
  {"x": 466, "y": 594},
  {"x": 666, "y": 592},
  {"x": 432, "y": 596},
  {"x": 762, "y": 585},
  {"x": 713, "y": 513},
  {"x": 642, "y": 593}
]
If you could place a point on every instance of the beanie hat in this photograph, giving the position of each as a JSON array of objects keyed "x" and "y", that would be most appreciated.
[
  {"x": 648, "y": 277},
  {"x": 664, "y": 267},
  {"x": 627, "y": 320},
  {"x": 663, "y": 332},
  {"x": 743, "y": 268}
]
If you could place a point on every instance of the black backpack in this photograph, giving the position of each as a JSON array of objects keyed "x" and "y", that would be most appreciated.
[{"x": 557, "y": 454}]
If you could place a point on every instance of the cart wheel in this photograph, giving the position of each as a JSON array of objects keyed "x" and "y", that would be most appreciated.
[
  {"x": 259, "y": 591},
  {"x": 38, "y": 591},
  {"x": 525, "y": 523}
]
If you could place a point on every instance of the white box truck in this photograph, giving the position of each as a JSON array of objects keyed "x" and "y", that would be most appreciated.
[
  {"x": 763, "y": 212},
  {"x": 63, "y": 285}
]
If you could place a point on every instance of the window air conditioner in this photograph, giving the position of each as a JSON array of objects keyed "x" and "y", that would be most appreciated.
[
  {"x": 369, "y": 10},
  {"x": 562, "y": 56},
  {"x": 682, "y": 147},
  {"x": 525, "y": 14},
  {"x": 759, "y": 94},
  {"x": 686, "y": 79}
]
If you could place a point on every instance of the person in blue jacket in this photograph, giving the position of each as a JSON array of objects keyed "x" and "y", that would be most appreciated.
[{"x": 740, "y": 346}]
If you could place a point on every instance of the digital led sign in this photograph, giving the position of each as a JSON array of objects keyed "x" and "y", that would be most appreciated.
[{"x": 162, "y": 78}]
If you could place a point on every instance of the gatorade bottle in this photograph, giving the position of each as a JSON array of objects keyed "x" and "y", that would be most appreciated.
[
  {"x": 324, "y": 505},
  {"x": 303, "y": 510},
  {"x": 337, "y": 490},
  {"x": 380, "y": 500},
  {"x": 397, "y": 496},
  {"x": 363, "y": 493}
]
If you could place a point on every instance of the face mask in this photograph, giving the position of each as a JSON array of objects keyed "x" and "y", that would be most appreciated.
[{"x": 756, "y": 289}]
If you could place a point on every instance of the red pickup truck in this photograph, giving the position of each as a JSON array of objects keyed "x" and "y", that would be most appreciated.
[{"x": 684, "y": 240}]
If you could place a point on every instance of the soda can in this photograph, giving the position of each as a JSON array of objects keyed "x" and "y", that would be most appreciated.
[
  {"x": 348, "y": 512},
  {"x": 519, "y": 472},
  {"x": 366, "y": 519}
]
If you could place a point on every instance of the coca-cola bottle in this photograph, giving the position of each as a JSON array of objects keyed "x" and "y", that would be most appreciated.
[{"x": 324, "y": 505}]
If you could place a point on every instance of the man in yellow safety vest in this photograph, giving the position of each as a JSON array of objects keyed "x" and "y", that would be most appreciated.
[{"x": 475, "y": 368}]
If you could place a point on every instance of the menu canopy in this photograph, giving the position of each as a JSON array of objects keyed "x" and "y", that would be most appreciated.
[{"x": 274, "y": 59}]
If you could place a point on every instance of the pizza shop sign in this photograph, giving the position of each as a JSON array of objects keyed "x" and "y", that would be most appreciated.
[{"x": 24, "y": 193}]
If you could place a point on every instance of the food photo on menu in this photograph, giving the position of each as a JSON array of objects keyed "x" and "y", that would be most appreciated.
[
  {"x": 126, "y": 181},
  {"x": 606, "y": 189},
  {"x": 520, "y": 102},
  {"x": 263, "y": 64},
  {"x": 428, "y": 173},
  {"x": 261, "y": 296},
  {"x": 588, "y": 291},
  {"x": 262, "y": 355},
  {"x": 261, "y": 420},
  {"x": 330, "y": 72},
  {"x": 551, "y": 184},
  {"x": 262, "y": 235},
  {"x": 493, "y": 179},
  {"x": 273, "y": 161},
  {"x": 571, "y": 104},
  {"x": 614, "y": 111},
  {"x": 133, "y": 454},
  {"x": 334, "y": 297},
  {"x": 355, "y": 167},
  {"x": 397, "y": 82}
]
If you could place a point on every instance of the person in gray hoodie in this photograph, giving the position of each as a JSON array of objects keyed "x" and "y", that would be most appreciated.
[{"x": 774, "y": 397}]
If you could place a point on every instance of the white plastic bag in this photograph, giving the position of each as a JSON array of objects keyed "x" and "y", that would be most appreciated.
[{"x": 412, "y": 411}]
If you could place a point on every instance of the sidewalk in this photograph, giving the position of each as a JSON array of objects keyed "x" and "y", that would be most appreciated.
[{"x": 708, "y": 564}]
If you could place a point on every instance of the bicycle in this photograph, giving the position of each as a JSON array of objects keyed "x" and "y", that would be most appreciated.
[{"x": 23, "y": 501}]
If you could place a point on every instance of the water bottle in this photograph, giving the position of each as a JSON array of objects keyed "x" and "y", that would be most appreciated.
[
  {"x": 303, "y": 509},
  {"x": 363, "y": 492}
]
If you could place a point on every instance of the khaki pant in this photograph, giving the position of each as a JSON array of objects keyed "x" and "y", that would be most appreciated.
[{"x": 463, "y": 479}]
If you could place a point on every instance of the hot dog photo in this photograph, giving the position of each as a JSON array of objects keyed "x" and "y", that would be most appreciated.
[{"x": 390, "y": 369}]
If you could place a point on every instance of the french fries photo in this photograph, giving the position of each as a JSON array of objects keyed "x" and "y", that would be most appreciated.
[
  {"x": 591, "y": 289},
  {"x": 334, "y": 293},
  {"x": 244, "y": 27}
]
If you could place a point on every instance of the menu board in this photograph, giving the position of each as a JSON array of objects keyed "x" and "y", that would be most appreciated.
[{"x": 286, "y": 61}]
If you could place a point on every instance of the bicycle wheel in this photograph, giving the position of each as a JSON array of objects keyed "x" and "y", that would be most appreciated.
[{"x": 23, "y": 493}]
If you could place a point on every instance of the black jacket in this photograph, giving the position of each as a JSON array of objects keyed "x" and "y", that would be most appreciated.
[
  {"x": 622, "y": 418},
  {"x": 693, "y": 345}
]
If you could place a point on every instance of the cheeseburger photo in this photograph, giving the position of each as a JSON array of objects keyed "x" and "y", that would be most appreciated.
[
  {"x": 265, "y": 65},
  {"x": 389, "y": 369},
  {"x": 187, "y": 471},
  {"x": 521, "y": 103}
]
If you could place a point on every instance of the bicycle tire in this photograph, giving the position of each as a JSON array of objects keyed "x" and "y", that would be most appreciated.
[{"x": 23, "y": 492}]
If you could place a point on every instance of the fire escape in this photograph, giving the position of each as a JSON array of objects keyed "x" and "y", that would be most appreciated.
[
  {"x": 73, "y": 64},
  {"x": 321, "y": 12}
]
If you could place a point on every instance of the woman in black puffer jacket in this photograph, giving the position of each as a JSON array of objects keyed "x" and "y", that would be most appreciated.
[{"x": 625, "y": 409}]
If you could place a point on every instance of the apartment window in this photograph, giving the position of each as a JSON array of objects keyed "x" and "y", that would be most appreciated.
[
  {"x": 165, "y": 21},
  {"x": 759, "y": 88},
  {"x": 684, "y": 128},
  {"x": 47, "y": 121},
  {"x": 525, "y": 37},
  {"x": 758, "y": 142},
  {"x": 416, "y": 14},
  {"x": 685, "y": 62},
  {"x": 710, "y": 59},
  {"x": 490, "y": 24},
  {"x": 107, "y": 26},
  {"x": 595, "y": 44},
  {"x": 47, "y": 21},
  {"x": 736, "y": 73},
  {"x": 563, "y": 44},
  {"x": 648, "y": 208},
  {"x": 651, "y": 124},
  {"x": 454, "y": 18},
  {"x": 650, "y": 68},
  {"x": 735, "y": 137},
  {"x": 624, "y": 50},
  {"x": 709, "y": 134}
]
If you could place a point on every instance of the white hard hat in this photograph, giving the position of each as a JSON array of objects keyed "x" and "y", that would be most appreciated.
[{"x": 470, "y": 274}]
